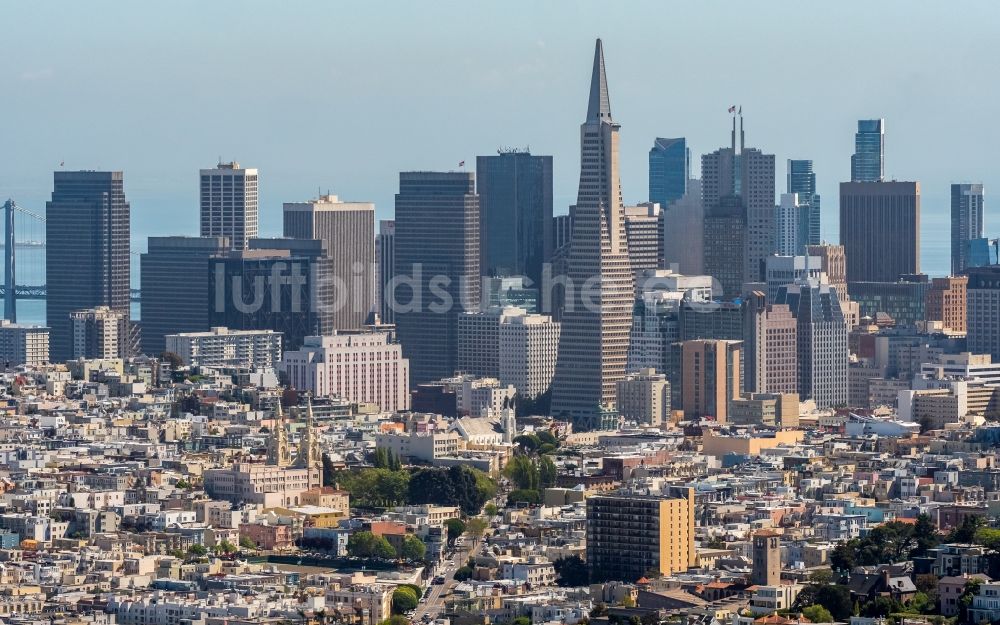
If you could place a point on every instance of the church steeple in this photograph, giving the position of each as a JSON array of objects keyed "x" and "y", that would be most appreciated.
[
  {"x": 309, "y": 455},
  {"x": 599, "y": 108},
  {"x": 278, "y": 453}
]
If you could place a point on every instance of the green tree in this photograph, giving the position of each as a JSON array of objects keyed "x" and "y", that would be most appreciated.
[
  {"x": 486, "y": 487},
  {"x": 172, "y": 359},
  {"x": 247, "y": 543},
  {"x": 966, "y": 531},
  {"x": 329, "y": 472},
  {"x": 524, "y": 495},
  {"x": 455, "y": 527},
  {"x": 404, "y": 600},
  {"x": 395, "y": 463},
  {"x": 396, "y": 619},
  {"x": 821, "y": 576},
  {"x": 921, "y": 603},
  {"x": 571, "y": 572},
  {"x": 476, "y": 527},
  {"x": 491, "y": 510},
  {"x": 546, "y": 472},
  {"x": 970, "y": 590},
  {"x": 547, "y": 438},
  {"x": 817, "y": 614},
  {"x": 715, "y": 542},
  {"x": 926, "y": 536},
  {"x": 392, "y": 487},
  {"x": 417, "y": 590},
  {"x": 881, "y": 606},
  {"x": 227, "y": 547},
  {"x": 990, "y": 539},
  {"x": 836, "y": 599},
  {"x": 523, "y": 473},
  {"x": 463, "y": 573},
  {"x": 198, "y": 550},
  {"x": 367, "y": 545},
  {"x": 380, "y": 459},
  {"x": 521, "y": 620},
  {"x": 412, "y": 549},
  {"x": 528, "y": 442}
]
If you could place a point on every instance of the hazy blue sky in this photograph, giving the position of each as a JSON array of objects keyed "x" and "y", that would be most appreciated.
[{"x": 345, "y": 95}]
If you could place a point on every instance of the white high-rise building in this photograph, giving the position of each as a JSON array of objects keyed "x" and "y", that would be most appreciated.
[
  {"x": 99, "y": 333},
  {"x": 791, "y": 225},
  {"x": 363, "y": 367},
  {"x": 222, "y": 347},
  {"x": 229, "y": 203},
  {"x": 23, "y": 344},
  {"x": 528, "y": 348}
]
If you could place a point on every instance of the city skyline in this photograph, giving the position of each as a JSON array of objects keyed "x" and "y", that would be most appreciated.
[{"x": 294, "y": 157}]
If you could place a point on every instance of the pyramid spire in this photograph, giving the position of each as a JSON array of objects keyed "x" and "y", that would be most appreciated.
[{"x": 599, "y": 108}]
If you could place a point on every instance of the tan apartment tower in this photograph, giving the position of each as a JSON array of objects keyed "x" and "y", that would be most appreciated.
[{"x": 630, "y": 536}]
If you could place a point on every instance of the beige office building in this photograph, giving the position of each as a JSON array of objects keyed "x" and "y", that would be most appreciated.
[
  {"x": 945, "y": 302},
  {"x": 99, "y": 333},
  {"x": 644, "y": 397},
  {"x": 349, "y": 230}
]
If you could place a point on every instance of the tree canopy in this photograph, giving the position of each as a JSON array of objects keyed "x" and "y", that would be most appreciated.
[
  {"x": 817, "y": 614},
  {"x": 367, "y": 545},
  {"x": 412, "y": 549},
  {"x": 404, "y": 599}
]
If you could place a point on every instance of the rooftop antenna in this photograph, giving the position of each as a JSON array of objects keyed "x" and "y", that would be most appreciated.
[
  {"x": 741, "y": 128},
  {"x": 733, "y": 136}
]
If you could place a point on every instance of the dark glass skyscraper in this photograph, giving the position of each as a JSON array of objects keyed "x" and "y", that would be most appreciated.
[
  {"x": 725, "y": 244},
  {"x": 868, "y": 160},
  {"x": 880, "y": 229},
  {"x": 437, "y": 259},
  {"x": 87, "y": 250},
  {"x": 966, "y": 222},
  {"x": 802, "y": 180},
  {"x": 174, "y": 282},
  {"x": 285, "y": 285},
  {"x": 669, "y": 170},
  {"x": 515, "y": 208}
]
